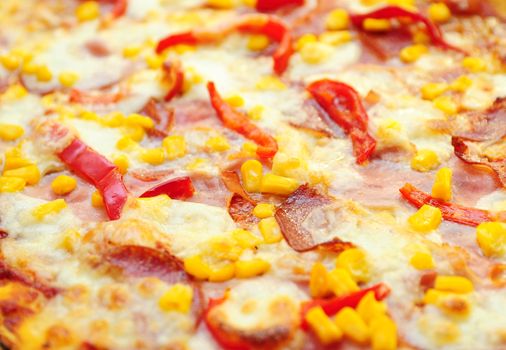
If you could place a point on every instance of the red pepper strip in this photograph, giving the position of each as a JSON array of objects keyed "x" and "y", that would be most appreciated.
[
  {"x": 270, "y": 26},
  {"x": 96, "y": 169},
  {"x": 390, "y": 12},
  {"x": 78, "y": 96},
  {"x": 120, "y": 7},
  {"x": 240, "y": 123},
  {"x": 342, "y": 103},
  {"x": 273, "y": 5},
  {"x": 450, "y": 211},
  {"x": 175, "y": 78},
  {"x": 334, "y": 305},
  {"x": 179, "y": 188}
]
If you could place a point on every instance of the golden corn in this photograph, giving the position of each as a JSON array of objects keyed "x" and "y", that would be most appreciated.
[
  {"x": 221, "y": 4},
  {"x": 245, "y": 239},
  {"x": 135, "y": 132},
  {"x": 425, "y": 160},
  {"x": 14, "y": 92},
  {"x": 53, "y": 207},
  {"x": 282, "y": 164},
  {"x": 446, "y": 104},
  {"x": 340, "y": 282},
  {"x": 131, "y": 51},
  {"x": 355, "y": 262},
  {"x": 327, "y": 331},
  {"x": 122, "y": 163},
  {"x": 251, "y": 268},
  {"x": 422, "y": 261},
  {"x": 369, "y": 308},
  {"x": 270, "y": 83},
  {"x": 68, "y": 79},
  {"x": 154, "y": 61},
  {"x": 258, "y": 42},
  {"x": 432, "y": 296},
  {"x": 442, "y": 187},
  {"x": 43, "y": 74},
  {"x": 474, "y": 64},
  {"x": 69, "y": 240},
  {"x": 432, "y": 90},
  {"x": 491, "y": 237},
  {"x": 305, "y": 39},
  {"x": 269, "y": 229},
  {"x": 439, "y": 12},
  {"x": 175, "y": 146},
  {"x": 217, "y": 144},
  {"x": 376, "y": 25},
  {"x": 235, "y": 101},
  {"x": 10, "y": 62},
  {"x": 63, "y": 185},
  {"x": 318, "y": 285},
  {"x": 197, "y": 267},
  {"x": 10, "y": 132},
  {"x": 224, "y": 248},
  {"x": 11, "y": 184},
  {"x": 337, "y": 19},
  {"x": 461, "y": 84},
  {"x": 264, "y": 210},
  {"x": 153, "y": 156},
  {"x": 96, "y": 200},
  {"x": 178, "y": 298},
  {"x": 456, "y": 284},
  {"x": 222, "y": 273},
  {"x": 256, "y": 112},
  {"x": 426, "y": 219},
  {"x": 30, "y": 174},
  {"x": 140, "y": 120},
  {"x": 16, "y": 162},
  {"x": 352, "y": 325},
  {"x": 316, "y": 52},
  {"x": 412, "y": 53},
  {"x": 126, "y": 143},
  {"x": 252, "y": 171},
  {"x": 87, "y": 11},
  {"x": 335, "y": 38},
  {"x": 278, "y": 184},
  {"x": 383, "y": 334}
]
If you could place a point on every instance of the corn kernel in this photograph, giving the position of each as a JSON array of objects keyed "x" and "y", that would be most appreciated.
[
  {"x": 29, "y": 68},
  {"x": 421, "y": 37},
  {"x": 318, "y": 285},
  {"x": 341, "y": 283},
  {"x": 140, "y": 120},
  {"x": 352, "y": 325},
  {"x": 68, "y": 79},
  {"x": 432, "y": 90},
  {"x": 384, "y": 334},
  {"x": 69, "y": 240},
  {"x": 446, "y": 104},
  {"x": 195, "y": 266},
  {"x": 439, "y": 12},
  {"x": 122, "y": 163},
  {"x": 376, "y": 25},
  {"x": 315, "y": 53},
  {"x": 10, "y": 62},
  {"x": 251, "y": 268},
  {"x": 131, "y": 51},
  {"x": 454, "y": 304},
  {"x": 15, "y": 163},
  {"x": 269, "y": 229},
  {"x": 422, "y": 261},
  {"x": 96, "y": 200},
  {"x": 456, "y": 284},
  {"x": 14, "y": 92},
  {"x": 154, "y": 61},
  {"x": 282, "y": 164},
  {"x": 327, "y": 331},
  {"x": 10, "y": 132},
  {"x": 258, "y": 42},
  {"x": 442, "y": 187},
  {"x": 426, "y": 219},
  {"x": 425, "y": 160},
  {"x": 335, "y": 38},
  {"x": 63, "y": 185},
  {"x": 30, "y": 174},
  {"x": 87, "y": 11},
  {"x": 222, "y": 273},
  {"x": 235, "y": 101},
  {"x": 355, "y": 262},
  {"x": 178, "y": 298},
  {"x": 125, "y": 143},
  {"x": 491, "y": 237},
  {"x": 245, "y": 239},
  {"x": 221, "y": 4},
  {"x": 223, "y": 248},
  {"x": 252, "y": 173},
  {"x": 175, "y": 146},
  {"x": 337, "y": 19},
  {"x": 153, "y": 156},
  {"x": 474, "y": 64},
  {"x": 196, "y": 164},
  {"x": 270, "y": 83},
  {"x": 461, "y": 84},
  {"x": 11, "y": 184},
  {"x": 304, "y": 40},
  {"x": 278, "y": 184},
  {"x": 43, "y": 74},
  {"x": 48, "y": 208},
  {"x": 256, "y": 112},
  {"x": 432, "y": 296},
  {"x": 263, "y": 210},
  {"x": 412, "y": 53},
  {"x": 369, "y": 308},
  {"x": 217, "y": 144}
]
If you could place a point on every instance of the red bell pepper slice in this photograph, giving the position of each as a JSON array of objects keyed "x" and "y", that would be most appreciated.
[
  {"x": 333, "y": 305},
  {"x": 175, "y": 78},
  {"x": 451, "y": 212},
  {"x": 96, "y": 169},
  {"x": 120, "y": 7},
  {"x": 396, "y": 12},
  {"x": 240, "y": 123},
  {"x": 273, "y": 5},
  {"x": 344, "y": 106},
  {"x": 271, "y": 26},
  {"x": 179, "y": 188}
]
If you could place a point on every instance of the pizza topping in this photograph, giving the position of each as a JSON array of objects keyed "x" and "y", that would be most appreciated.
[
  {"x": 344, "y": 106},
  {"x": 174, "y": 76},
  {"x": 272, "y": 5},
  {"x": 178, "y": 298},
  {"x": 426, "y": 219},
  {"x": 491, "y": 238},
  {"x": 8, "y": 273},
  {"x": 78, "y": 96},
  {"x": 241, "y": 211},
  {"x": 178, "y": 188},
  {"x": 269, "y": 26}
]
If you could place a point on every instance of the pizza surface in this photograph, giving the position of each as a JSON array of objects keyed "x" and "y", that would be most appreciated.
[{"x": 240, "y": 175}]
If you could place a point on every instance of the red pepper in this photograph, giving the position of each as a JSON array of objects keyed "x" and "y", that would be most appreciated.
[
  {"x": 179, "y": 188},
  {"x": 240, "y": 123},
  {"x": 334, "y": 305},
  {"x": 78, "y": 96},
  {"x": 271, "y": 26},
  {"x": 120, "y": 7},
  {"x": 273, "y": 5},
  {"x": 175, "y": 78},
  {"x": 97, "y": 170},
  {"x": 450, "y": 211},
  {"x": 391, "y": 12},
  {"x": 343, "y": 105}
]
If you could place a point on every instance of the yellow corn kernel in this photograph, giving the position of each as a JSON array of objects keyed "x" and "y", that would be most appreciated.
[
  {"x": 221, "y": 4},
  {"x": 442, "y": 187},
  {"x": 327, "y": 331},
  {"x": 456, "y": 284},
  {"x": 422, "y": 261},
  {"x": 126, "y": 142},
  {"x": 140, "y": 120},
  {"x": 178, "y": 298},
  {"x": 432, "y": 296},
  {"x": 270, "y": 83},
  {"x": 122, "y": 163},
  {"x": 491, "y": 237},
  {"x": 264, "y": 210},
  {"x": 11, "y": 184},
  {"x": 376, "y": 25},
  {"x": 256, "y": 112},
  {"x": 252, "y": 173},
  {"x": 175, "y": 146},
  {"x": 217, "y": 144},
  {"x": 69, "y": 240},
  {"x": 269, "y": 229},
  {"x": 223, "y": 248},
  {"x": 258, "y": 42},
  {"x": 53, "y": 207},
  {"x": 222, "y": 273},
  {"x": 249, "y": 149},
  {"x": 439, "y": 12},
  {"x": 87, "y": 11},
  {"x": 154, "y": 61},
  {"x": 461, "y": 84},
  {"x": 352, "y": 325},
  {"x": 136, "y": 133},
  {"x": 10, "y": 62},
  {"x": 337, "y": 19},
  {"x": 153, "y": 156},
  {"x": 251, "y": 268},
  {"x": 318, "y": 284},
  {"x": 340, "y": 282},
  {"x": 276, "y": 184},
  {"x": 304, "y": 40},
  {"x": 196, "y": 164},
  {"x": 369, "y": 308},
  {"x": 383, "y": 334},
  {"x": 235, "y": 100},
  {"x": 432, "y": 90},
  {"x": 131, "y": 51},
  {"x": 30, "y": 174},
  {"x": 15, "y": 162},
  {"x": 29, "y": 68},
  {"x": 421, "y": 37},
  {"x": 197, "y": 267},
  {"x": 315, "y": 53},
  {"x": 426, "y": 219},
  {"x": 425, "y": 160},
  {"x": 412, "y": 53},
  {"x": 282, "y": 164},
  {"x": 446, "y": 104},
  {"x": 96, "y": 200},
  {"x": 14, "y": 92},
  {"x": 355, "y": 262},
  {"x": 10, "y": 132},
  {"x": 454, "y": 304},
  {"x": 335, "y": 38},
  {"x": 68, "y": 79},
  {"x": 43, "y": 74},
  {"x": 474, "y": 64},
  {"x": 63, "y": 185},
  {"x": 245, "y": 239}
]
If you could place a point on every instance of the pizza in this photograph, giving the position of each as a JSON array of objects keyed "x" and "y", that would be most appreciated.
[{"x": 242, "y": 175}]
